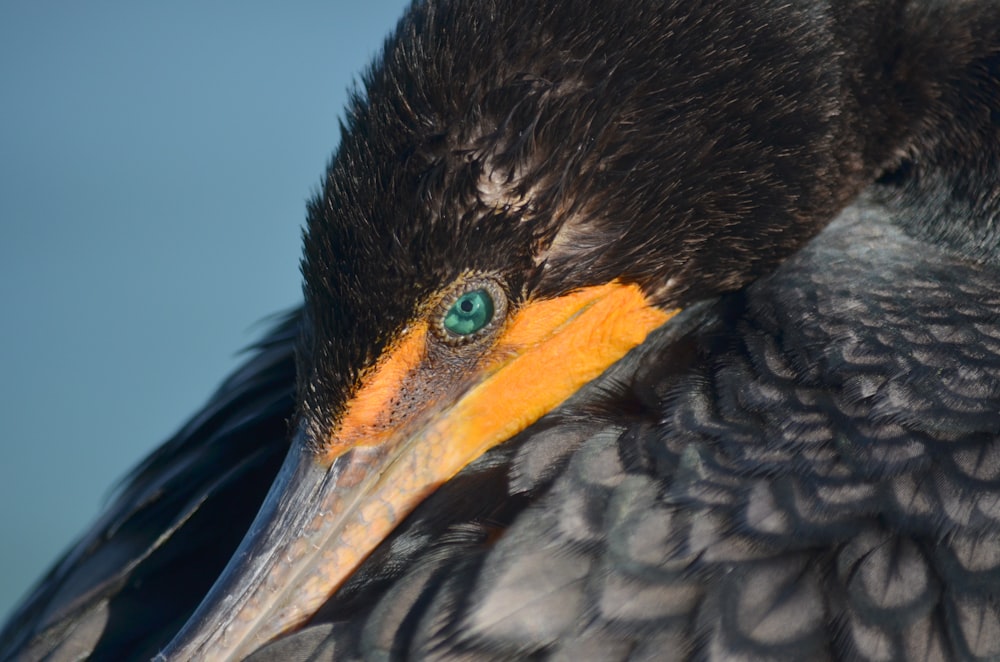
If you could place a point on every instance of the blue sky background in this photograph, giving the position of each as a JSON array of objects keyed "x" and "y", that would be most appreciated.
[{"x": 155, "y": 160}]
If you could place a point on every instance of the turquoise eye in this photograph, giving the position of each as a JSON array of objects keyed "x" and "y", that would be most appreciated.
[{"x": 470, "y": 313}]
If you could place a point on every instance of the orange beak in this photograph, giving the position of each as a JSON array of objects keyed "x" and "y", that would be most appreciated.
[{"x": 336, "y": 499}]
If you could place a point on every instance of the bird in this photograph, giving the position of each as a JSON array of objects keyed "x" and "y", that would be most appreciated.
[{"x": 631, "y": 330}]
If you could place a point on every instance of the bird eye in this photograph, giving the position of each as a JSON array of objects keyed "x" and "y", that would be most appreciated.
[
  {"x": 470, "y": 313},
  {"x": 474, "y": 308}
]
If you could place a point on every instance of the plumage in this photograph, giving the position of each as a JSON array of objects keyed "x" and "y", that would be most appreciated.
[{"x": 802, "y": 464}]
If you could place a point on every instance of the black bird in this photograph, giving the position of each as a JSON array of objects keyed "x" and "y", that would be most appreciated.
[{"x": 506, "y": 441}]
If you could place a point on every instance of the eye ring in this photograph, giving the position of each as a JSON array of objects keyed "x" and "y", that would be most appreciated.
[{"x": 474, "y": 308}]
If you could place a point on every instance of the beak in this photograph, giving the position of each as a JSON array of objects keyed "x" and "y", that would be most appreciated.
[{"x": 335, "y": 499}]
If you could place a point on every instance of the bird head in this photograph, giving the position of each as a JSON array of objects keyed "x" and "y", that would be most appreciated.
[{"x": 523, "y": 192}]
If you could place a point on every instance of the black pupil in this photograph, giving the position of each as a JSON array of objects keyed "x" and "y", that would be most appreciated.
[{"x": 466, "y": 306}]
